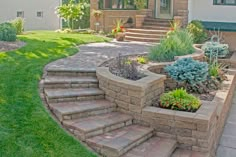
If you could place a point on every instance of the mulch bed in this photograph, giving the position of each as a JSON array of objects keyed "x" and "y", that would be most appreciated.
[{"x": 9, "y": 46}]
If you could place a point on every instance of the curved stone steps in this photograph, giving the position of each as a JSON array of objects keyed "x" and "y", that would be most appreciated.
[
  {"x": 70, "y": 71},
  {"x": 73, "y": 110},
  {"x": 69, "y": 94},
  {"x": 188, "y": 153},
  {"x": 95, "y": 125},
  {"x": 118, "y": 142},
  {"x": 70, "y": 82},
  {"x": 154, "y": 147}
]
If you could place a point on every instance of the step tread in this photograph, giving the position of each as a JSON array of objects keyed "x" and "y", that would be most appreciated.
[
  {"x": 66, "y": 108},
  {"x": 148, "y": 30},
  {"x": 69, "y": 69},
  {"x": 156, "y": 146},
  {"x": 59, "y": 93},
  {"x": 134, "y": 33},
  {"x": 70, "y": 79},
  {"x": 142, "y": 38},
  {"x": 188, "y": 153},
  {"x": 119, "y": 139},
  {"x": 96, "y": 122}
]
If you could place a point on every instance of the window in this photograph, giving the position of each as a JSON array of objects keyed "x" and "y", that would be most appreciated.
[
  {"x": 225, "y": 2},
  {"x": 20, "y": 14},
  {"x": 117, "y": 4},
  {"x": 39, "y": 14}
]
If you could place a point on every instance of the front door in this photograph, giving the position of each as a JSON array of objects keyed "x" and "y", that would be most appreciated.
[{"x": 164, "y": 9}]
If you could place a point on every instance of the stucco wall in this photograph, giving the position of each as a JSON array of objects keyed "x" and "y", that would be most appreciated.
[
  {"x": 205, "y": 10},
  {"x": 49, "y": 21}
]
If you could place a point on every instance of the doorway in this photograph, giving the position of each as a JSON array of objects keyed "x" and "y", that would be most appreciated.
[{"x": 164, "y": 9}]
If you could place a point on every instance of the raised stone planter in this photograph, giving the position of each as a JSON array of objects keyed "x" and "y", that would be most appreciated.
[
  {"x": 131, "y": 96},
  {"x": 198, "y": 131}
]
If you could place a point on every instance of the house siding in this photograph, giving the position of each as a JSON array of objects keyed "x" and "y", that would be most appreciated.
[
  {"x": 49, "y": 21},
  {"x": 204, "y": 10}
]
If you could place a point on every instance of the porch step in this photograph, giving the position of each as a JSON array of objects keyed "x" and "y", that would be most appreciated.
[
  {"x": 154, "y": 147},
  {"x": 188, "y": 153},
  {"x": 156, "y": 20},
  {"x": 73, "y": 110},
  {"x": 70, "y": 82},
  {"x": 57, "y": 71},
  {"x": 141, "y": 39},
  {"x": 96, "y": 125},
  {"x": 157, "y": 23},
  {"x": 147, "y": 31},
  {"x": 155, "y": 27},
  {"x": 118, "y": 142},
  {"x": 145, "y": 35},
  {"x": 69, "y": 94}
]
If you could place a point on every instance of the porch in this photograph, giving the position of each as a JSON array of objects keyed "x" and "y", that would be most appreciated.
[{"x": 128, "y": 12}]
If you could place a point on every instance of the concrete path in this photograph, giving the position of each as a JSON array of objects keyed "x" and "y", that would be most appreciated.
[
  {"x": 227, "y": 145},
  {"x": 92, "y": 55}
]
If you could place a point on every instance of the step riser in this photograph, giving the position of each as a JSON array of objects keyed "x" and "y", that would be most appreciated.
[
  {"x": 158, "y": 20},
  {"x": 70, "y": 85},
  {"x": 106, "y": 152},
  {"x": 75, "y": 98},
  {"x": 145, "y": 35},
  {"x": 156, "y": 28},
  {"x": 157, "y": 24},
  {"x": 148, "y": 32},
  {"x": 84, "y": 114},
  {"x": 142, "y": 40},
  {"x": 83, "y": 136},
  {"x": 61, "y": 73}
]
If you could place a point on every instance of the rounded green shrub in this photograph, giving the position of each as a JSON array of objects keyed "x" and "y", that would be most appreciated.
[
  {"x": 180, "y": 100},
  {"x": 197, "y": 30},
  {"x": 177, "y": 43},
  {"x": 7, "y": 32}
]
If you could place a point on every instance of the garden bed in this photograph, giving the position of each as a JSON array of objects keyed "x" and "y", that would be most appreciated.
[
  {"x": 198, "y": 131},
  {"x": 9, "y": 46}
]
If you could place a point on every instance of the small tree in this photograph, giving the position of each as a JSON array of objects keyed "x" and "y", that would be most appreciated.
[{"x": 72, "y": 12}]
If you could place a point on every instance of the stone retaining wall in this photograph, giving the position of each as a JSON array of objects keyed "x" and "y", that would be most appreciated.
[
  {"x": 198, "y": 131},
  {"x": 131, "y": 96}
]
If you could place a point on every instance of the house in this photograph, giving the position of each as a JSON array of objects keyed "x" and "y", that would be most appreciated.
[
  {"x": 152, "y": 23},
  {"x": 38, "y": 15}
]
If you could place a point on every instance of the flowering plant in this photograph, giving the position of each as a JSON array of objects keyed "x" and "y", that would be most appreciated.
[{"x": 118, "y": 28}]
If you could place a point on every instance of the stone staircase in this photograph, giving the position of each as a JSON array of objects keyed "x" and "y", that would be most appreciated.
[
  {"x": 153, "y": 30},
  {"x": 74, "y": 98}
]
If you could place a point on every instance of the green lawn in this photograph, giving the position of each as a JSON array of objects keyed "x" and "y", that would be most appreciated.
[{"x": 26, "y": 128}]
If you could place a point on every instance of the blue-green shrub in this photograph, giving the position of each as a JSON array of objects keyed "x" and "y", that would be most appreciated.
[
  {"x": 7, "y": 32},
  {"x": 177, "y": 43},
  {"x": 189, "y": 71},
  {"x": 215, "y": 48}
]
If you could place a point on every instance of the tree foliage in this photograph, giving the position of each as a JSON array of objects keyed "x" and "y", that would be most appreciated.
[{"x": 72, "y": 11}]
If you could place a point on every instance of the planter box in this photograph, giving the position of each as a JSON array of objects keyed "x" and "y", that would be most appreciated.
[
  {"x": 198, "y": 131},
  {"x": 130, "y": 95}
]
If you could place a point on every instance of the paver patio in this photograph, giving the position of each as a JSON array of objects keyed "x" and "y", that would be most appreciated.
[{"x": 91, "y": 55}]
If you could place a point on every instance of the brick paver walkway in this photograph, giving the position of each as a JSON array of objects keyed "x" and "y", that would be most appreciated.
[
  {"x": 94, "y": 54},
  {"x": 227, "y": 146}
]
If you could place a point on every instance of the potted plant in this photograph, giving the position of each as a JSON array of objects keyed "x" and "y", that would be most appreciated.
[
  {"x": 97, "y": 14},
  {"x": 119, "y": 30},
  {"x": 142, "y": 6}
]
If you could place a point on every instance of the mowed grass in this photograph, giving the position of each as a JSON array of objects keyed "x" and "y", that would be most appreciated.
[{"x": 26, "y": 128}]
